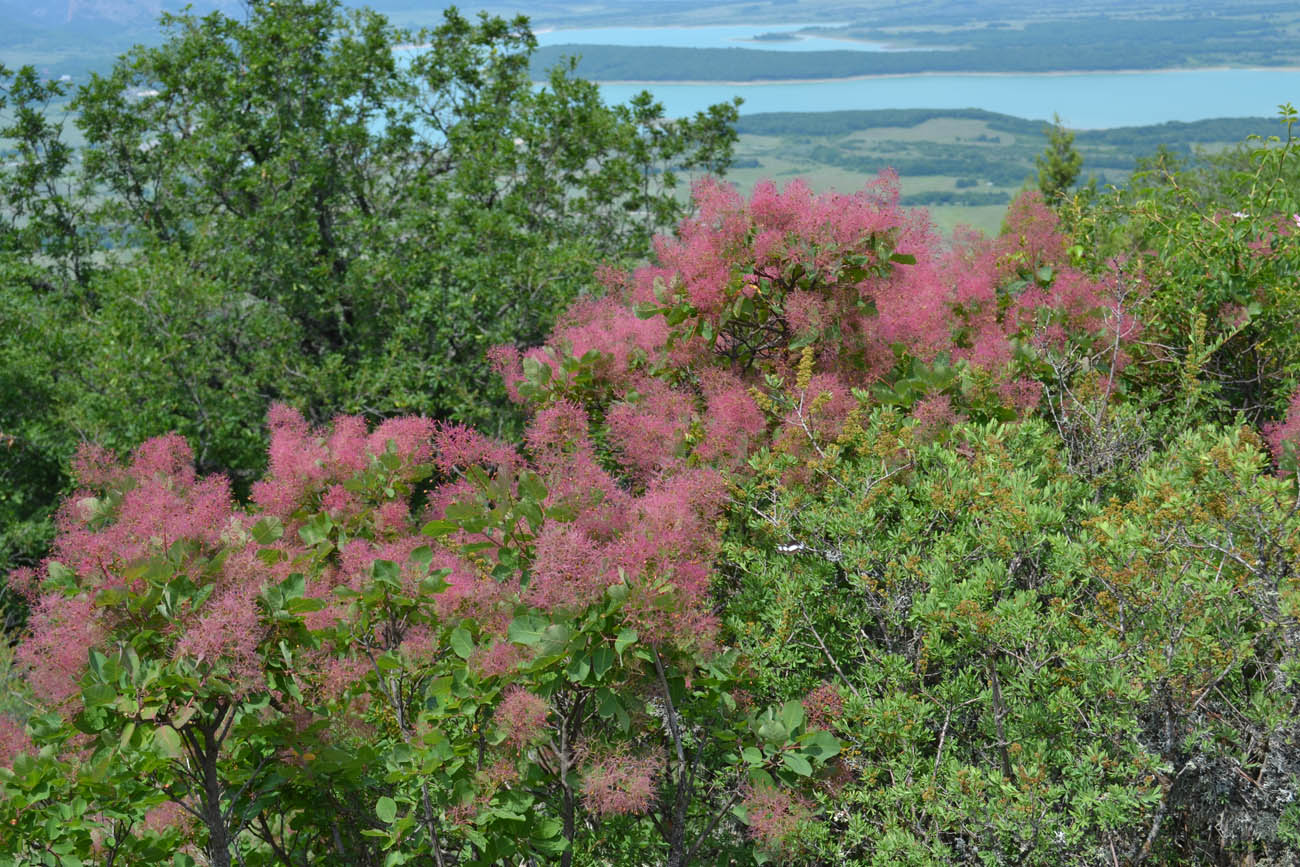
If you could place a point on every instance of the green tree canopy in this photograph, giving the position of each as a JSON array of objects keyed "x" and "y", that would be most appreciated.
[{"x": 1059, "y": 164}]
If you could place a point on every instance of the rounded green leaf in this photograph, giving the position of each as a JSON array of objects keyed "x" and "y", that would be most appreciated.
[{"x": 386, "y": 810}]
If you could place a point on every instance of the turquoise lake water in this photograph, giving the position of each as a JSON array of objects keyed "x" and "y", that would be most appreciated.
[{"x": 1084, "y": 101}]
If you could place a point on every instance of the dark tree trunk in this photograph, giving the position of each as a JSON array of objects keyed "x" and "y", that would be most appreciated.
[{"x": 218, "y": 833}]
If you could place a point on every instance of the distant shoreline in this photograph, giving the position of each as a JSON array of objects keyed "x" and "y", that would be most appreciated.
[{"x": 758, "y": 82}]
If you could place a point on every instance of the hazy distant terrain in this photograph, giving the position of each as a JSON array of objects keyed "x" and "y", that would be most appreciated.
[
  {"x": 73, "y": 37},
  {"x": 975, "y": 37}
]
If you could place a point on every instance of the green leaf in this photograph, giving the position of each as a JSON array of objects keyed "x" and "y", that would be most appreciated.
[
  {"x": 902, "y": 258},
  {"x": 386, "y": 571},
  {"x": 60, "y": 575},
  {"x": 268, "y": 530},
  {"x": 532, "y": 513},
  {"x": 602, "y": 659},
  {"x": 626, "y": 637},
  {"x": 460, "y": 511},
  {"x": 548, "y": 830},
  {"x": 773, "y": 732},
  {"x": 316, "y": 530},
  {"x": 303, "y": 605},
  {"x": 462, "y": 644},
  {"x": 439, "y": 528},
  {"x": 422, "y": 557},
  {"x": 271, "y": 556},
  {"x": 168, "y": 741},
  {"x": 98, "y": 695},
  {"x": 386, "y": 810},
  {"x": 435, "y": 582},
  {"x": 578, "y": 669},
  {"x": 822, "y": 744},
  {"x": 527, "y": 629},
  {"x": 531, "y": 486},
  {"x": 555, "y": 638},
  {"x": 97, "y": 662},
  {"x": 792, "y": 715},
  {"x": 797, "y": 763}
]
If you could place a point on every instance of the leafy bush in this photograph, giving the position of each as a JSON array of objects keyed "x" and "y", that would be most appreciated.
[
  {"x": 1212, "y": 253},
  {"x": 1027, "y": 676}
]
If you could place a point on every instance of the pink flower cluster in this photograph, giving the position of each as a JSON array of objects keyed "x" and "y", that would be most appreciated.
[
  {"x": 124, "y": 514},
  {"x": 61, "y": 632},
  {"x": 307, "y": 464},
  {"x": 661, "y": 540}
]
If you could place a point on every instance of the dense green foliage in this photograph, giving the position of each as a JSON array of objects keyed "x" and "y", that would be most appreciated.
[
  {"x": 1028, "y": 676},
  {"x": 1211, "y": 249}
]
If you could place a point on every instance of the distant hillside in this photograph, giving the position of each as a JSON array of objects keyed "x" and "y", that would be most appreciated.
[{"x": 1176, "y": 135}]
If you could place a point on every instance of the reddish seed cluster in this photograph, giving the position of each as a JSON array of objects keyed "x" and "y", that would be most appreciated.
[
  {"x": 228, "y": 629},
  {"x": 521, "y": 717},
  {"x": 161, "y": 502},
  {"x": 774, "y": 815},
  {"x": 1279, "y": 434},
  {"x": 823, "y": 706},
  {"x": 13, "y": 740},
  {"x": 166, "y": 816},
  {"x": 309, "y": 466},
  {"x": 618, "y": 782},
  {"x": 62, "y": 632},
  {"x": 660, "y": 542}
]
